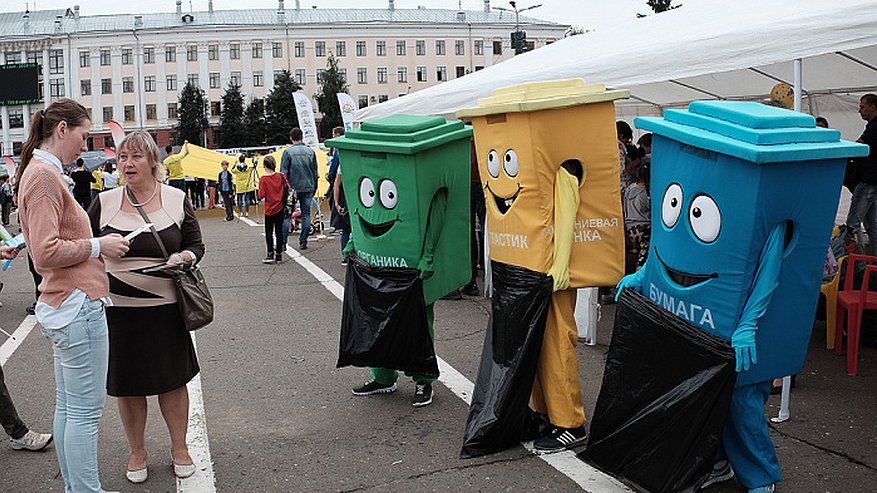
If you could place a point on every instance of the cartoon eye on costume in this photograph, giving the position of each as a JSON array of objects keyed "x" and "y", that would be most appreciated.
[
  {"x": 367, "y": 192},
  {"x": 389, "y": 196},
  {"x": 493, "y": 163},
  {"x": 510, "y": 163},
  {"x": 705, "y": 218},
  {"x": 671, "y": 207}
]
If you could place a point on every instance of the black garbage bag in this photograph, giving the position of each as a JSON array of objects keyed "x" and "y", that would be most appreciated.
[
  {"x": 665, "y": 393},
  {"x": 383, "y": 323},
  {"x": 499, "y": 412}
]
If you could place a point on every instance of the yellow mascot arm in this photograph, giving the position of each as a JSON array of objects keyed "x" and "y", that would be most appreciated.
[{"x": 566, "y": 203}]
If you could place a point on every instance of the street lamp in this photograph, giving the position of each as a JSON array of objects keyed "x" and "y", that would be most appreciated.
[{"x": 519, "y": 38}]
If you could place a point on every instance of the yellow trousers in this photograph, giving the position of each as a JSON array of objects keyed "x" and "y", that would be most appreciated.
[{"x": 557, "y": 391}]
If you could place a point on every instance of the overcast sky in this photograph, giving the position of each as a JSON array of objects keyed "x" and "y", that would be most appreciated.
[{"x": 582, "y": 13}]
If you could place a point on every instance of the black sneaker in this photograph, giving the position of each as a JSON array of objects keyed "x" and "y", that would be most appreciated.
[
  {"x": 32, "y": 310},
  {"x": 302, "y": 246},
  {"x": 422, "y": 395},
  {"x": 278, "y": 257},
  {"x": 560, "y": 438},
  {"x": 471, "y": 289},
  {"x": 453, "y": 295},
  {"x": 269, "y": 259},
  {"x": 722, "y": 471},
  {"x": 371, "y": 387}
]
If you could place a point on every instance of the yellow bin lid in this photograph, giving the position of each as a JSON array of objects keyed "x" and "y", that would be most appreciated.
[{"x": 545, "y": 95}]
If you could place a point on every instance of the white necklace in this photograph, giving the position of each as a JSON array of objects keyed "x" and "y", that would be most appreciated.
[{"x": 141, "y": 204}]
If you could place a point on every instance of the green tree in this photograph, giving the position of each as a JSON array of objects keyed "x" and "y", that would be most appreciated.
[
  {"x": 254, "y": 124},
  {"x": 191, "y": 115},
  {"x": 661, "y": 5},
  {"x": 332, "y": 82},
  {"x": 280, "y": 115},
  {"x": 231, "y": 121}
]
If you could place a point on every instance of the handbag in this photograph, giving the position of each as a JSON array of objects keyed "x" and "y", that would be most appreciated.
[
  {"x": 193, "y": 296},
  {"x": 289, "y": 198}
]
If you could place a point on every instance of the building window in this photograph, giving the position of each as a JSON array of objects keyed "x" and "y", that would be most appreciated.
[
  {"x": 479, "y": 46},
  {"x": 149, "y": 83},
  {"x": 35, "y": 57},
  {"x": 171, "y": 82},
  {"x": 106, "y": 86},
  {"x": 170, "y": 54},
  {"x": 108, "y": 140},
  {"x": 127, "y": 84},
  {"x": 56, "y": 88},
  {"x": 459, "y": 47},
  {"x": 129, "y": 112},
  {"x": 381, "y": 48},
  {"x": 479, "y": 67},
  {"x": 321, "y": 72},
  {"x": 127, "y": 56},
  {"x": 277, "y": 50},
  {"x": 257, "y": 50},
  {"x": 277, "y": 74},
  {"x": 382, "y": 98},
  {"x": 172, "y": 111},
  {"x": 548, "y": 41},
  {"x": 441, "y": 73},
  {"x": 340, "y": 48},
  {"x": 421, "y": 74},
  {"x": 215, "y": 108},
  {"x": 213, "y": 52},
  {"x": 105, "y": 57},
  {"x": 13, "y": 57},
  {"x": 382, "y": 75},
  {"x": 16, "y": 118},
  {"x": 362, "y": 75},
  {"x": 363, "y": 101},
  {"x": 497, "y": 47},
  {"x": 234, "y": 51},
  {"x": 440, "y": 47},
  {"x": 235, "y": 79},
  {"x": 192, "y": 79},
  {"x": 420, "y": 47},
  {"x": 402, "y": 74},
  {"x": 191, "y": 53},
  {"x": 148, "y": 55},
  {"x": 531, "y": 45},
  {"x": 400, "y": 47},
  {"x": 214, "y": 80},
  {"x": 461, "y": 71},
  {"x": 151, "y": 113},
  {"x": 107, "y": 113},
  {"x": 258, "y": 78},
  {"x": 319, "y": 48},
  {"x": 56, "y": 61},
  {"x": 299, "y": 49},
  {"x": 85, "y": 87},
  {"x": 361, "y": 49},
  {"x": 84, "y": 59},
  {"x": 300, "y": 76}
]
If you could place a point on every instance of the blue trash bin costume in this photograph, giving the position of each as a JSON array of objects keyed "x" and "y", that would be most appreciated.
[{"x": 743, "y": 202}]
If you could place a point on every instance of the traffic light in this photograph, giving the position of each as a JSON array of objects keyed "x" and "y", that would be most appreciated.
[{"x": 519, "y": 41}]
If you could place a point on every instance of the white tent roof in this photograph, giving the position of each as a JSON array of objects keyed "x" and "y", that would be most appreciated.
[{"x": 710, "y": 50}]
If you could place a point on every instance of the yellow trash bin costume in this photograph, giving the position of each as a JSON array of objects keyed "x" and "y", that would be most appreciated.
[{"x": 548, "y": 159}]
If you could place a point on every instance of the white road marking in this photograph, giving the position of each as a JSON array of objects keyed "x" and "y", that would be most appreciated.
[
  {"x": 204, "y": 479},
  {"x": 17, "y": 338},
  {"x": 565, "y": 462}
]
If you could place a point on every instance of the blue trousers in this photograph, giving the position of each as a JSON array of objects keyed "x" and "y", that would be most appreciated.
[{"x": 746, "y": 442}]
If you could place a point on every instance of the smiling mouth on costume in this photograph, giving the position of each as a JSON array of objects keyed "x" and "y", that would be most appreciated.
[
  {"x": 503, "y": 203},
  {"x": 684, "y": 279},
  {"x": 376, "y": 230}
]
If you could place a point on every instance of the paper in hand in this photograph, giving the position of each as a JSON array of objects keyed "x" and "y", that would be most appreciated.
[{"x": 133, "y": 234}]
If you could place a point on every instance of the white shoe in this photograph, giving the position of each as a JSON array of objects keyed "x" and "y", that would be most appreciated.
[
  {"x": 138, "y": 476},
  {"x": 31, "y": 441},
  {"x": 184, "y": 470}
]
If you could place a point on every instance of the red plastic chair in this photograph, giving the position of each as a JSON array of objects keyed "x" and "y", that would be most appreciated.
[{"x": 853, "y": 302}]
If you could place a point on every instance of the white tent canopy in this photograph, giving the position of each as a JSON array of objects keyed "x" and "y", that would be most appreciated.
[{"x": 710, "y": 50}]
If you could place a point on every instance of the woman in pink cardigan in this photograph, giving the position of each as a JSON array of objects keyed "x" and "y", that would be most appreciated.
[{"x": 74, "y": 290}]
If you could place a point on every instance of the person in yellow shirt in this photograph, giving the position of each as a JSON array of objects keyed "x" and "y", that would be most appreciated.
[
  {"x": 245, "y": 178},
  {"x": 174, "y": 164},
  {"x": 97, "y": 185}
]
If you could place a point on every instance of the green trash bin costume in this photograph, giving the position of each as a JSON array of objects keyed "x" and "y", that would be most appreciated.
[{"x": 406, "y": 180}]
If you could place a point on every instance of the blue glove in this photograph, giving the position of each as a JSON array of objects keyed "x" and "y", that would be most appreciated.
[
  {"x": 743, "y": 342},
  {"x": 632, "y": 281}
]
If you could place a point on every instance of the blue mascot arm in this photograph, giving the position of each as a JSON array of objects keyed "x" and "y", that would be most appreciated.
[
  {"x": 631, "y": 281},
  {"x": 766, "y": 282}
]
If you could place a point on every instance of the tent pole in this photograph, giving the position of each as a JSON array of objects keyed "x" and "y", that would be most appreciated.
[{"x": 798, "y": 89}]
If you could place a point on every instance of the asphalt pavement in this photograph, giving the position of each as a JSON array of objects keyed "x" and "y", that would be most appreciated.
[{"x": 279, "y": 417}]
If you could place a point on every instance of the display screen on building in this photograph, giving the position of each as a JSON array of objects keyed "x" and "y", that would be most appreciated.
[{"x": 19, "y": 83}]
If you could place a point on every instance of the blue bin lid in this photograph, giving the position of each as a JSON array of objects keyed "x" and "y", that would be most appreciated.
[{"x": 752, "y": 131}]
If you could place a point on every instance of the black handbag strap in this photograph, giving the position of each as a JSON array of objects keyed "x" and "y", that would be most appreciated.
[{"x": 133, "y": 200}]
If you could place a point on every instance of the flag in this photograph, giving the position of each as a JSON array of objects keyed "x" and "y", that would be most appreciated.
[
  {"x": 305, "y": 112},
  {"x": 348, "y": 108}
]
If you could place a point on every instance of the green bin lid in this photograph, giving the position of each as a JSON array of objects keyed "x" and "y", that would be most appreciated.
[{"x": 402, "y": 134}]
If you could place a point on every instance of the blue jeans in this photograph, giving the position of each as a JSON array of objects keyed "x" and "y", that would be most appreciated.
[
  {"x": 863, "y": 208},
  {"x": 244, "y": 198},
  {"x": 178, "y": 184},
  {"x": 81, "y": 351},
  {"x": 305, "y": 199},
  {"x": 746, "y": 442}
]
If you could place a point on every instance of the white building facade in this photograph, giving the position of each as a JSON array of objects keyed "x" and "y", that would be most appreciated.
[{"x": 131, "y": 68}]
